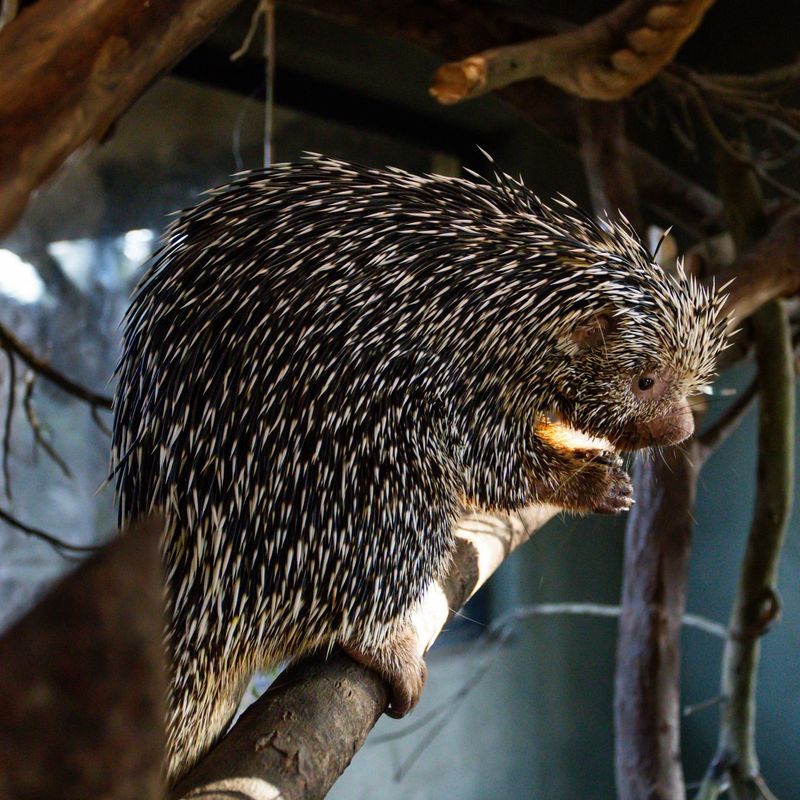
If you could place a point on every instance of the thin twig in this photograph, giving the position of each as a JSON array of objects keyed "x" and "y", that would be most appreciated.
[
  {"x": 98, "y": 420},
  {"x": 785, "y": 77},
  {"x": 36, "y": 426},
  {"x": 716, "y": 433},
  {"x": 702, "y": 706},
  {"x": 59, "y": 545},
  {"x": 10, "y": 402},
  {"x": 696, "y": 621},
  {"x": 9, "y": 341},
  {"x": 721, "y": 141},
  {"x": 252, "y": 29},
  {"x": 745, "y": 102}
]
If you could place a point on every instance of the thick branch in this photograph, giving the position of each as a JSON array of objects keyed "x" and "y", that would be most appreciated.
[
  {"x": 606, "y": 59},
  {"x": 767, "y": 270},
  {"x": 647, "y": 699},
  {"x": 657, "y": 539},
  {"x": 756, "y": 604},
  {"x": 297, "y": 739},
  {"x": 71, "y": 69}
]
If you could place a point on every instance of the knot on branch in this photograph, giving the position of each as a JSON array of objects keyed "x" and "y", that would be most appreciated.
[{"x": 761, "y": 613}]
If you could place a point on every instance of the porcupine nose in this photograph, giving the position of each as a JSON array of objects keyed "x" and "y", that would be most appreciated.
[{"x": 673, "y": 427}]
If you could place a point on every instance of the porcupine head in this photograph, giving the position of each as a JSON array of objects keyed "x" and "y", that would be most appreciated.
[{"x": 325, "y": 362}]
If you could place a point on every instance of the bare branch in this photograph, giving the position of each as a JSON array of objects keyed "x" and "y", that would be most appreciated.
[
  {"x": 718, "y": 138},
  {"x": 658, "y": 530},
  {"x": 767, "y": 270},
  {"x": 606, "y": 59},
  {"x": 728, "y": 422},
  {"x": 57, "y": 544},
  {"x": 695, "y": 621},
  {"x": 83, "y": 681},
  {"x": 36, "y": 426},
  {"x": 11, "y": 344}
]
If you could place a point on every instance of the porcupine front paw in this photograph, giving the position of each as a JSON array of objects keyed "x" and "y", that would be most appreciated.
[
  {"x": 615, "y": 492},
  {"x": 604, "y": 483},
  {"x": 594, "y": 482},
  {"x": 398, "y": 662}
]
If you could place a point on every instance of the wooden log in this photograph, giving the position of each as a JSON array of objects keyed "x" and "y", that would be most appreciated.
[{"x": 70, "y": 70}]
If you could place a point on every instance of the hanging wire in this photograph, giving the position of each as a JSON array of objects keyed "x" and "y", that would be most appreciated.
[
  {"x": 269, "y": 77},
  {"x": 265, "y": 9}
]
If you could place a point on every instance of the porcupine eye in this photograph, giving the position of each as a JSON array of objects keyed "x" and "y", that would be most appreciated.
[{"x": 647, "y": 386}]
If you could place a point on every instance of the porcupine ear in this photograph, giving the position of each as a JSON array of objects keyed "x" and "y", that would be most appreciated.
[{"x": 592, "y": 332}]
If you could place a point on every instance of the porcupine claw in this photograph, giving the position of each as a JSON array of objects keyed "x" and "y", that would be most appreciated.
[
  {"x": 398, "y": 662},
  {"x": 618, "y": 491},
  {"x": 619, "y": 496},
  {"x": 599, "y": 484}
]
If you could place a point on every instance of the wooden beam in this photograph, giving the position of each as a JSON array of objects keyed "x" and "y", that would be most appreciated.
[{"x": 71, "y": 69}]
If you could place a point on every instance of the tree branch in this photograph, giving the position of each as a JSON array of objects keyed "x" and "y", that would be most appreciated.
[
  {"x": 450, "y": 28},
  {"x": 606, "y": 59},
  {"x": 11, "y": 344},
  {"x": 297, "y": 739},
  {"x": 35, "y": 424},
  {"x": 657, "y": 539},
  {"x": 71, "y": 69},
  {"x": 57, "y": 544},
  {"x": 756, "y": 604},
  {"x": 83, "y": 680},
  {"x": 766, "y": 270}
]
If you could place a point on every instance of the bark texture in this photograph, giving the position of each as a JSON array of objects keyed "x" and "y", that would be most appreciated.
[
  {"x": 82, "y": 682},
  {"x": 71, "y": 69}
]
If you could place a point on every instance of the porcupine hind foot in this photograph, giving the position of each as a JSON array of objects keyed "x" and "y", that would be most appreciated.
[{"x": 398, "y": 662}]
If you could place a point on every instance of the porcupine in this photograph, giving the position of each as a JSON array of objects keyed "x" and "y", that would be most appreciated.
[{"x": 326, "y": 362}]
